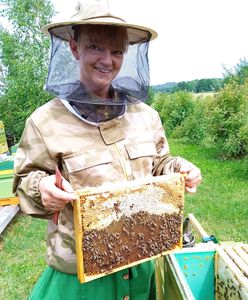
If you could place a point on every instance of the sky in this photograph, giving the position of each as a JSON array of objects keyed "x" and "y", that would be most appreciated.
[{"x": 196, "y": 38}]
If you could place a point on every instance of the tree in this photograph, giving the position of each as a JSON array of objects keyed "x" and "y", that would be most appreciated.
[
  {"x": 239, "y": 73},
  {"x": 24, "y": 57}
]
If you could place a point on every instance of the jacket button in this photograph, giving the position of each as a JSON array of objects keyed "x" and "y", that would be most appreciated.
[
  {"x": 126, "y": 298},
  {"x": 125, "y": 276}
]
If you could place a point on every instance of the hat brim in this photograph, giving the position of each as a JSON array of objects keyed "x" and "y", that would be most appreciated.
[{"x": 136, "y": 33}]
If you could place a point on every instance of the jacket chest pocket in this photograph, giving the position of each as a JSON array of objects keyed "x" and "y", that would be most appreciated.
[
  {"x": 88, "y": 168},
  {"x": 141, "y": 157}
]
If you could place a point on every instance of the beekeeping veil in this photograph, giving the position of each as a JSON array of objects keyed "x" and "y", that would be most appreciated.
[{"x": 129, "y": 86}]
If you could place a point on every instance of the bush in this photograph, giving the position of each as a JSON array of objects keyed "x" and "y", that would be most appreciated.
[
  {"x": 219, "y": 121},
  {"x": 173, "y": 108},
  {"x": 228, "y": 121},
  {"x": 239, "y": 73},
  {"x": 193, "y": 129}
]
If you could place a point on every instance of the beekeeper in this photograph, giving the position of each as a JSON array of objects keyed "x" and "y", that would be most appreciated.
[{"x": 97, "y": 130}]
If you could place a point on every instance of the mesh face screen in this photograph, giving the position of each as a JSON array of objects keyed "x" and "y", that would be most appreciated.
[
  {"x": 131, "y": 84},
  {"x": 122, "y": 225}
]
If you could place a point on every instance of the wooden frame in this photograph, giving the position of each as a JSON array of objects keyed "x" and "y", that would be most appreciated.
[
  {"x": 9, "y": 201},
  {"x": 231, "y": 271},
  {"x": 175, "y": 179}
]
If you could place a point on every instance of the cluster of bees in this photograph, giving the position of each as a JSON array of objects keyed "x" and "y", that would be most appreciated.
[{"x": 129, "y": 240}]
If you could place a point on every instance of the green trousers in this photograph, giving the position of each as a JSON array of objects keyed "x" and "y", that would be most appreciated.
[{"x": 137, "y": 283}]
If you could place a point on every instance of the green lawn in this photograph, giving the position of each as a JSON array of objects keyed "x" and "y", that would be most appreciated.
[
  {"x": 220, "y": 205},
  {"x": 22, "y": 256},
  {"x": 221, "y": 201}
]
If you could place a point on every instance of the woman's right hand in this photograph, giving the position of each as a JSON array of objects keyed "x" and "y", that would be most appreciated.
[{"x": 53, "y": 198}]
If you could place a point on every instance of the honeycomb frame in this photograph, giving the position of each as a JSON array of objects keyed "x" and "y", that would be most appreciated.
[{"x": 121, "y": 225}]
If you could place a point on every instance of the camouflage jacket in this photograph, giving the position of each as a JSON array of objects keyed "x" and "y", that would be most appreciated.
[{"x": 125, "y": 148}]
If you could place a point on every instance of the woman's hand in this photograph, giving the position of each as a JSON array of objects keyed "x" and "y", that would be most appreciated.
[
  {"x": 193, "y": 177},
  {"x": 53, "y": 198}
]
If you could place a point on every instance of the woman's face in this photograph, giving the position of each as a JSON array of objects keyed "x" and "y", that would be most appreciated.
[
  {"x": 100, "y": 61},
  {"x": 99, "y": 66}
]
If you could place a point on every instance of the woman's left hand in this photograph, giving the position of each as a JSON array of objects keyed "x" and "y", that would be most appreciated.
[{"x": 193, "y": 177}]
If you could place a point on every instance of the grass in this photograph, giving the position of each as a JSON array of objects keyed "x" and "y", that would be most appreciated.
[
  {"x": 22, "y": 256},
  {"x": 220, "y": 205}
]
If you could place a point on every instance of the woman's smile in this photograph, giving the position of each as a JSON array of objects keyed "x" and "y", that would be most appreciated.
[
  {"x": 103, "y": 70},
  {"x": 99, "y": 66}
]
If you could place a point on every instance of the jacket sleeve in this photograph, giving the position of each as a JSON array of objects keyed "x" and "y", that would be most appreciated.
[
  {"x": 164, "y": 162},
  {"x": 32, "y": 163}
]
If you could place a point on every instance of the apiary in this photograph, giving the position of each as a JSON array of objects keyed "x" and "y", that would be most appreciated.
[{"x": 120, "y": 225}]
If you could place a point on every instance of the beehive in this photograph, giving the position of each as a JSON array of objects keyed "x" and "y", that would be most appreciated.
[
  {"x": 231, "y": 269},
  {"x": 120, "y": 225},
  {"x": 6, "y": 195}
]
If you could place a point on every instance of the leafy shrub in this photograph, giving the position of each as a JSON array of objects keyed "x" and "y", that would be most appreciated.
[
  {"x": 173, "y": 108},
  {"x": 227, "y": 120},
  {"x": 158, "y": 101},
  {"x": 239, "y": 73},
  {"x": 193, "y": 129},
  {"x": 220, "y": 121}
]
